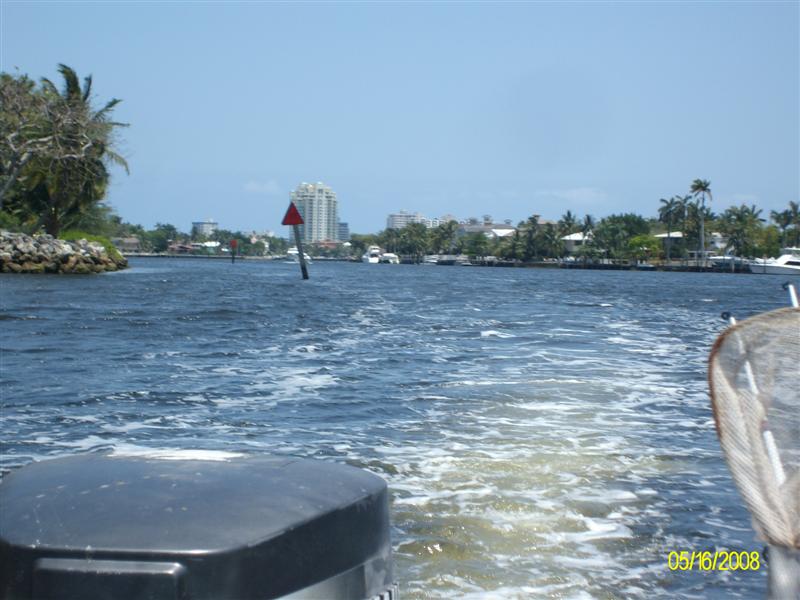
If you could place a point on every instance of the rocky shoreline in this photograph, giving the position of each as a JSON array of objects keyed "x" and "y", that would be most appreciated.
[{"x": 20, "y": 253}]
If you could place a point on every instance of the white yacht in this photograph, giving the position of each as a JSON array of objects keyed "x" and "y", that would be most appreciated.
[
  {"x": 293, "y": 256},
  {"x": 788, "y": 263},
  {"x": 372, "y": 255},
  {"x": 390, "y": 258}
]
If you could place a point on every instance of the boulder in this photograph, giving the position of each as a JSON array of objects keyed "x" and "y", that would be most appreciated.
[{"x": 20, "y": 253}]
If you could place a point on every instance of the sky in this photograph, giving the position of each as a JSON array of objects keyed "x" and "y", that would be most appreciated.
[{"x": 506, "y": 109}]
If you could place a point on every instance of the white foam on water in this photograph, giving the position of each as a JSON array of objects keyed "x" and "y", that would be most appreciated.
[
  {"x": 132, "y": 450},
  {"x": 497, "y": 334}
]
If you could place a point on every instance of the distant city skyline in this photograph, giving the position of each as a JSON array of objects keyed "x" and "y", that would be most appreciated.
[{"x": 506, "y": 108}]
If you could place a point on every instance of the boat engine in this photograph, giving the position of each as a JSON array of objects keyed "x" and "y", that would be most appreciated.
[{"x": 101, "y": 526}]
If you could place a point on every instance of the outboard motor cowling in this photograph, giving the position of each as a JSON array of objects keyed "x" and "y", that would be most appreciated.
[{"x": 99, "y": 526}]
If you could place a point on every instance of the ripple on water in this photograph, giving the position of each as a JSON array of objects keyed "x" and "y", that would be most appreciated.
[{"x": 550, "y": 438}]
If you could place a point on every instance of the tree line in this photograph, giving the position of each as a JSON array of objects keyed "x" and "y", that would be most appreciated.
[
  {"x": 625, "y": 236},
  {"x": 56, "y": 150}
]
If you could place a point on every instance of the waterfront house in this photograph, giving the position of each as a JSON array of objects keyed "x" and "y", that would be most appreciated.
[
  {"x": 127, "y": 244},
  {"x": 573, "y": 241}
]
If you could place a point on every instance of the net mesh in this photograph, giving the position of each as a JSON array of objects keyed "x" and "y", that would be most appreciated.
[{"x": 755, "y": 393}]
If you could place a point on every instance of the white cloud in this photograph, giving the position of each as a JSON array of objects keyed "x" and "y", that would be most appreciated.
[{"x": 267, "y": 188}]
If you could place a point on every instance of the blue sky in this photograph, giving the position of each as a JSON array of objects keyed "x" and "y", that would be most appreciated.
[{"x": 507, "y": 109}]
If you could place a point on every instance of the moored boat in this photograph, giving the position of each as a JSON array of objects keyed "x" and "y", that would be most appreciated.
[
  {"x": 372, "y": 255},
  {"x": 389, "y": 258},
  {"x": 788, "y": 263},
  {"x": 293, "y": 256}
]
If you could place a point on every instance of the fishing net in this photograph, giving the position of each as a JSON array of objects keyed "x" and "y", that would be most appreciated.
[{"x": 754, "y": 374}]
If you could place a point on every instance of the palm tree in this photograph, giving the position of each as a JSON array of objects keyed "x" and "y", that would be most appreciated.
[
  {"x": 741, "y": 224},
  {"x": 449, "y": 230},
  {"x": 701, "y": 187},
  {"x": 794, "y": 209},
  {"x": 588, "y": 226},
  {"x": 61, "y": 188},
  {"x": 389, "y": 239},
  {"x": 568, "y": 223},
  {"x": 531, "y": 231},
  {"x": 667, "y": 214},
  {"x": 414, "y": 240},
  {"x": 551, "y": 242},
  {"x": 783, "y": 220}
]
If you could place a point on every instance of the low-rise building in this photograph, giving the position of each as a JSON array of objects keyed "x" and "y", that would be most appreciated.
[
  {"x": 127, "y": 244},
  {"x": 489, "y": 229},
  {"x": 573, "y": 241}
]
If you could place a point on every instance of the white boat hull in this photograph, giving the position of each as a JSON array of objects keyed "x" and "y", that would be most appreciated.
[
  {"x": 786, "y": 264},
  {"x": 768, "y": 269}
]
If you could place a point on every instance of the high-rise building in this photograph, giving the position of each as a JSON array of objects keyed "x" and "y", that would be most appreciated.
[
  {"x": 319, "y": 207},
  {"x": 344, "y": 232},
  {"x": 403, "y": 218},
  {"x": 206, "y": 228}
]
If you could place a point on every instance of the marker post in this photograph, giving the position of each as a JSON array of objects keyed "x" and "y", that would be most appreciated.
[{"x": 293, "y": 218}]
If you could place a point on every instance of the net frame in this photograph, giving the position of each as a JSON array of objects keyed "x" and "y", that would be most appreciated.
[{"x": 753, "y": 374}]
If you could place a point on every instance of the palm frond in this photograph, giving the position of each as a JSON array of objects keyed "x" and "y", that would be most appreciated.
[
  {"x": 87, "y": 87},
  {"x": 49, "y": 86},
  {"x": 72, "y": 87},
  {"x": 107, "y": 108},
  {"x": 117, "y": 159}
]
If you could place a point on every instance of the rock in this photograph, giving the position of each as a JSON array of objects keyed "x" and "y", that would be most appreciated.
[
  {"x": 20, "y": 253},
  {"x": 81, "y": 269},
  {"x": 32, "y": 267}
]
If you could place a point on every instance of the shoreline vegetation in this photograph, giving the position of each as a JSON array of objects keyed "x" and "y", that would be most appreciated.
[{"x": 56, "y": 150}]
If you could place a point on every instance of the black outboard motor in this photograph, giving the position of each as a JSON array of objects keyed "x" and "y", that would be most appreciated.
[{"x": 104, "y": 527}]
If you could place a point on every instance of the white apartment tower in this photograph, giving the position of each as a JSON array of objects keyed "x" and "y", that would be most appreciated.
[
  {"x": 320, "y": 210},
  {"x": 401, "y": 219}
]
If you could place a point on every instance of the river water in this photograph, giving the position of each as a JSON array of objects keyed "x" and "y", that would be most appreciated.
[{"x": 544, "y": 432}]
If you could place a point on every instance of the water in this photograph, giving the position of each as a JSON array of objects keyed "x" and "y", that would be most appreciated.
[{"x": 545, "y": 433}]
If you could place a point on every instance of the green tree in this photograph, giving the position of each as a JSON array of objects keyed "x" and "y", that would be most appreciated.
[
  {"x": 696, "y": 216},
  {"x": 783, "y": 219},
  {"x": 159, "y": 239},
  {"x": 530, "y": 231},
  {"x": 389, "y": 239},
  {"x": 443, "y": 237},
  {"x": 615, "y": 231},
  {"x": 475, "y": 244},
  {"x": 568, "y": 224},
  {"x": 701, "y": 187},
  {"x": 741, "y": 224},
  {"x": 24, "y": 132},
  {"x": 794, "y": 209},
  {"x": 360, "y": 241},
  {"x": 414, "y": 240},
  {"x": 550, "y": 241},
  {"x": 59, "y": 186},
  {"x": 668, "y": 213},
  {"x": 644, "y": 247}
]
